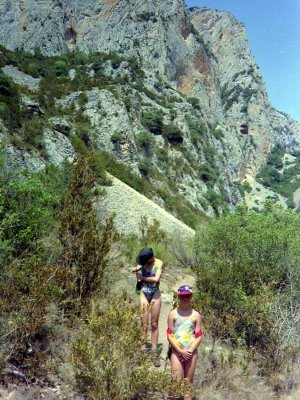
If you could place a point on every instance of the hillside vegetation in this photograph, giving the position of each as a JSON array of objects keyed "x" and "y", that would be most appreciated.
[
  {"x": 162, "y": 115},
  {"x": 105, "y": 102},
  {"x": 63, "y": 317}
]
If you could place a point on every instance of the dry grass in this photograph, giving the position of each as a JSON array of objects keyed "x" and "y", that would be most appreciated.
[{"x": 223, "y": 374}]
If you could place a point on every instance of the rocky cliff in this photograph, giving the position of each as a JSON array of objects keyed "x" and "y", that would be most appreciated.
[{"x": 199, "y": 79}]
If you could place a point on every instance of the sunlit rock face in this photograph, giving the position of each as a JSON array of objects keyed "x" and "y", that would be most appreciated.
[{"x": 202, "y": 53}]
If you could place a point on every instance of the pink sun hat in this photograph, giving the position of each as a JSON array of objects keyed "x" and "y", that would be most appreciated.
[{"x": 184, "y": 289}]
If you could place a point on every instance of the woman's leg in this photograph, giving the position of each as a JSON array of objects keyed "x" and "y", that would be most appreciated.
[
  {"x": 144, "y": 306},
  {"x": 155, "y": 310}
]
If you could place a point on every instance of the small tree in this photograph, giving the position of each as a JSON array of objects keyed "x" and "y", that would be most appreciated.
[{"x": 85, "y": 249}]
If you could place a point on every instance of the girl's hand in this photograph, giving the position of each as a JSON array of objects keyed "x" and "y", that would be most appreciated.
[{"x": 186, "y": 354}]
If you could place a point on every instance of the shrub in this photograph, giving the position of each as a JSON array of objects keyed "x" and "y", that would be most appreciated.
[
  {"x": 214, "y": 199},
  {"x": 78, "y": 145},
  {"x": 194, "y": 101},
  {"x": 60, "y": 68},
  {"x": 151, "y": 232},
  {"x": 161, "y": 154},
  {"x": 247, "y": 187},
  {"x": 31, "y": 131},
  {"x": 24, "y": 211},
  {"x": 116, "y": 137},
  {"x": 83, "y": 131},
  {"x": 10, "y": 102},
  {"x": 145, "y": 167},
  {"x": 173, "y": 134},
  {"x": 123, "y": 172},
  {"x": 113, "y": 331},
  {"x": 153, "y": 121},
  {"x": 197, "y": 129},
  {"x": 247, "y": 278},
  {"x": 208, "y": 174},
  {"x": 275, "y": 156},
  {"x": 210, "y": 155},
  {"x": 218, "y": 134},
  {"x": 82, "y": 99},
  {"x": 145, "y": 140},
  {"x": 30, "y": 286}
]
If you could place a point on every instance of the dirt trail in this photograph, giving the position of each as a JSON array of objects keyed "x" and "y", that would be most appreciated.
[{"x": 163, "y": 341}]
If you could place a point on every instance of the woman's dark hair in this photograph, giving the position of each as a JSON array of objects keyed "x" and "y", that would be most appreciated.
[{"x": 144, "y": 256}]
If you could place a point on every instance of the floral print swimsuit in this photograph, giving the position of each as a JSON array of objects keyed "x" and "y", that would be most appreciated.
[{"x": 184, "y": 330}]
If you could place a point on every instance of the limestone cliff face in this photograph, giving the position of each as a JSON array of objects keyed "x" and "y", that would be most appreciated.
[
  {"x": 153, "y": 30},
  {"x": 201, "y": 53},
  {"x": 239, "y": 96}
]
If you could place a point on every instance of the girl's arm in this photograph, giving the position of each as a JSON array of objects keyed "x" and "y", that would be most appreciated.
[
  {"x": 198, "y": 332},
  {"x": 152, "y": 279},
  {"x": 170, "y": 336}
]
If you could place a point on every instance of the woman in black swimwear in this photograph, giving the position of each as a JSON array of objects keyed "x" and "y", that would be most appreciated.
[{"x": 150, "y": 297}]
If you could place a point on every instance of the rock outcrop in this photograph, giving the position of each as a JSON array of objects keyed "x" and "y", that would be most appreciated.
[{"x": 204, "y": 56}]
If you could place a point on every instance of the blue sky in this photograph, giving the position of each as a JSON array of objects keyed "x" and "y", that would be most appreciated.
[{"x": 273, "y": 28}]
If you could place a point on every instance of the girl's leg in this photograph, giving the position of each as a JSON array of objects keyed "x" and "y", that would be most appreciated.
[
  {"x": 176, "y": 366},
  {"x": 190, "y": 367},
  {"x": 144, "y": 305},
  {"x": 177, "y": 370},
  {"x": 155, "y": 310},
  {"x": 189, "y": 371}
]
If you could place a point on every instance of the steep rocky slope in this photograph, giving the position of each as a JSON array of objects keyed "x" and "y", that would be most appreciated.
[
  {"x": 199, "y": 80},
  {"x": 134, "y": 207}
]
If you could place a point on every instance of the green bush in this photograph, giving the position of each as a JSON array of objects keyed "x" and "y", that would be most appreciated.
[
  {"x": 145, "y": 167},
  {"x": 83, "y": 131},
  {"x": 161, "y": 154},
  {"x": 218, "y": 134},
  {"x": 208, "y": 174},
  {"x": 31, "y": 131},
  {"x": 153, "y": 121},
  {"x": 198, "y": 130},
  {"x": 10, "y": 102},
  {"x": 116, "y": 137},
  {"x": 173, "y": 134},
  {"x": 123, "y": 172},
  {"x": 247, "y": 187},
  {"x": 194, "y": 101},
  {"x": 275, "y": 156},
  {"x": 285, "y": 182},
  {"x": 113, "y": 331},
  {"x": 248, "y": 278},
  {"x": 60, "y": 68},
  {"x": 25, "y": 210},
  {"x": 214, "y": 199},
  {"x": 144, "y": 140}
]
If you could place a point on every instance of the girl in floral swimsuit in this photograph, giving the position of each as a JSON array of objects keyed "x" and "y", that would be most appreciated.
[{"x": 184, "y": 335}]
